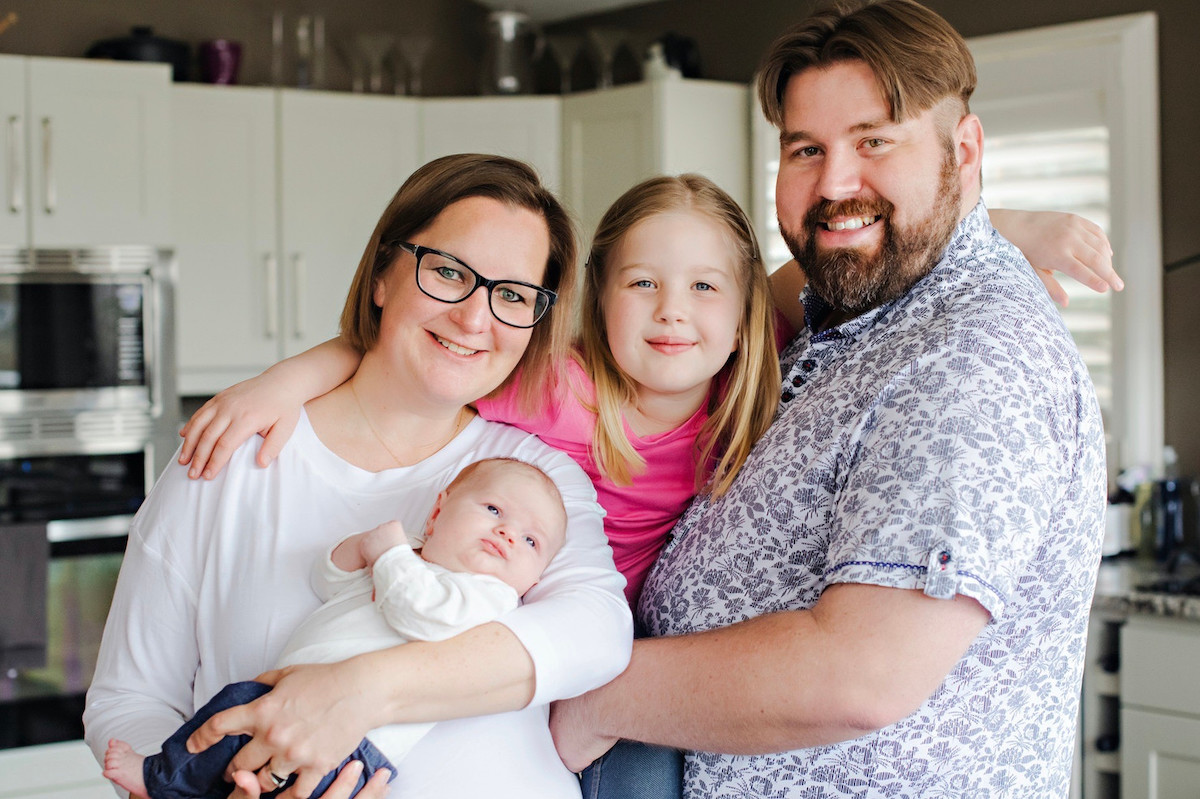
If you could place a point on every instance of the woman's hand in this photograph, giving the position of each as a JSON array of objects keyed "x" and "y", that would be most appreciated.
[
  {"x": 312, "y": 719},
  {"x": 1058, "y": 242},
  {"x": 249, "y": 785},
  {"x": 262, "y": 404}
]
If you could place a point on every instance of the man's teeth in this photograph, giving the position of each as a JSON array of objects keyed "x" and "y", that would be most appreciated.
[
  {"x": 851, "y": 224},
  {"x": 456, "y": 349}
]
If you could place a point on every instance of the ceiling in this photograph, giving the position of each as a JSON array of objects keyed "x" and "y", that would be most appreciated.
[{"x": 558, "y": 10}]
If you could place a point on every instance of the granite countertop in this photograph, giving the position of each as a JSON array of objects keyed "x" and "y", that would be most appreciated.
[{"x": 1117, "y": 589}]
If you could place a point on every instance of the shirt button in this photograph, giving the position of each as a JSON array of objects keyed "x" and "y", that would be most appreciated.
[
  {"x": 797, "y": 381},
  {"x": 788, "y": 395},
  {"x": 808, "y": 364}
]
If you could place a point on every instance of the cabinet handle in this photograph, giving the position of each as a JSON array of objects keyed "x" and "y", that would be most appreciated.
[
  {"x": 16, "y": 177},
  {"x": 300, "y": 289},
  {"x": 270, "y": 294},
  {"x": 50, "y": 186}
]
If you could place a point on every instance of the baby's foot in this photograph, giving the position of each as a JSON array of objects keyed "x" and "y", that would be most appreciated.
[{"x": 123, "y": 766}]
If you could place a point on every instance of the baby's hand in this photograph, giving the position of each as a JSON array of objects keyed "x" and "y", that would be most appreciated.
[{"x": 374, "y": 543}]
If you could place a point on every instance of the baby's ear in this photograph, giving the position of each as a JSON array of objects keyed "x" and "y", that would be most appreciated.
[{"x": 433, "y": 514}]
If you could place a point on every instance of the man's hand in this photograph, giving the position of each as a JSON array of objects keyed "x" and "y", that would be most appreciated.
[{"x": 574, "y": 733}]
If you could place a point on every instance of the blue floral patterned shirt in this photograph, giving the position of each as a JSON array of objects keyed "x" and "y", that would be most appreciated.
[{"x": 947, "y": 442}]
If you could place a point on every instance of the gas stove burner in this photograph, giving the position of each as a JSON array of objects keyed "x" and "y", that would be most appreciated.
[{"x": 1173, "y": 585}]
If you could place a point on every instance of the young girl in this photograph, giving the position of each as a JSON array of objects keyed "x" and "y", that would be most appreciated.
[{"x": 674, "y": 376}]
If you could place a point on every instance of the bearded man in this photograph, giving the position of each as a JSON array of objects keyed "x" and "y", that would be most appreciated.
[{"x": 892, "y": 599}]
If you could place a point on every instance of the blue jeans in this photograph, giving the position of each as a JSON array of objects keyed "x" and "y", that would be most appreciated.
[
  {"x": 634, "y": 770},
  {"x": 175, "y": 773}
]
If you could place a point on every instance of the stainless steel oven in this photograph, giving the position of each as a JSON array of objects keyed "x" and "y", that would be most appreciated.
[{"x": 88, "y": 418}]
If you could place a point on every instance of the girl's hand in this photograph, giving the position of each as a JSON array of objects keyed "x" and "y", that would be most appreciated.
[
  {"x": 1058, "y": 242},
  {"x": 312, "y": 719},
  {"x": 262, "y": 405}
]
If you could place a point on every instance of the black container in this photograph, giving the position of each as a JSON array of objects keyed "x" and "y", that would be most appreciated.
[
  {"x": 1169, "y": 519},
  {"x": 143, "y": 45}
]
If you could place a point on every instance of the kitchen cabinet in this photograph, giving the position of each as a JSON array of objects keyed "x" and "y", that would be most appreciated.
[
  {"x": 1160, "y": 708},
  {"x": 52, "y": 771},
  {"x": 614, "y": 138},
  {"x": 225, "y": 228},
  {"x": 525, "y": 128},
  {"x": 86, "y": 152},
  {"x": 277, "y": 192}
]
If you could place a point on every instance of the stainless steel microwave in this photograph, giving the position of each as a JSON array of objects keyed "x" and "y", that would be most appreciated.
[
  {"x": 79, "y": 329},
  {"x": 86, "y": 348}
]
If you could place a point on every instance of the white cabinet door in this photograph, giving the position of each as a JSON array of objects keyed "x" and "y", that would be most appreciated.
[
  {"x": 615, "y": 138},
  {"x": 100, "y": 152},
  {"x": 1160, "y": 755},
  {"x": 608, "y": 146},
  {"x": 52, "y": 771},
  {"x": 225, "y": 227},
  {"x": 343, "y": 157},
  {"x": 525, "y": 128},
  {"x": 14, "y": 175}
]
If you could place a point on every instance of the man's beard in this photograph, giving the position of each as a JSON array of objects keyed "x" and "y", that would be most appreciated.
[{"x": 854, "y": 281}]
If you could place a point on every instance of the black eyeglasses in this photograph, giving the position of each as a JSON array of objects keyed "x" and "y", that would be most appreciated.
[{"x": 447, "y": 279}]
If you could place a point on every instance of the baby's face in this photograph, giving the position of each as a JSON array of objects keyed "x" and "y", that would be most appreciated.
[{"x": 502, "y": 520}]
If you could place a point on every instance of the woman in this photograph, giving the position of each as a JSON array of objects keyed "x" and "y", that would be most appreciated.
[{"x": 216, "y": 573}]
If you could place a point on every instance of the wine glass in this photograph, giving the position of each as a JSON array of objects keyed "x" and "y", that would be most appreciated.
[
  {"x": 564, "y": 47},
  {"x": 605, "y": 42},
  {"x": 375, "y": 48},
  {"x": 414, "y": 48}
]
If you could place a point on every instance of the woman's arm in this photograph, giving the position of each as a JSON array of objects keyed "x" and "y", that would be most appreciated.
[
  {"x": 268, "y": 404},
  {"x": 142, "y": 687}
]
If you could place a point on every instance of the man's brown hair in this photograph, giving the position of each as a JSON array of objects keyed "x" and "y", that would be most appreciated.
[{"x": 917, "y": 57}]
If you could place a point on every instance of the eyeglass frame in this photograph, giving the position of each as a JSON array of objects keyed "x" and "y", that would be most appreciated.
[{"x": 419, "y": 250}]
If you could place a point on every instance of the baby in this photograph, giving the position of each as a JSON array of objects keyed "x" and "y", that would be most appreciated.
[{"x": 489, "y": 537}]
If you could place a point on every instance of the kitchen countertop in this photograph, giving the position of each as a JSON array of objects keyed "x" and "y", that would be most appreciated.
[{"x": 1117, "y": 590}]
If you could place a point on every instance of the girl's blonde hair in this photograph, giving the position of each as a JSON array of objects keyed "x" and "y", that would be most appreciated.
[{"x": 747, "y": 389}]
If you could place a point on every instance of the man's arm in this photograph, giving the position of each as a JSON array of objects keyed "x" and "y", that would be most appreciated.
[{"x": 862, "y": 658}]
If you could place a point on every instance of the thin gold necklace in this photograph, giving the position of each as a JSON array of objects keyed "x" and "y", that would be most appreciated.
[{"x": 459, "y": 423}]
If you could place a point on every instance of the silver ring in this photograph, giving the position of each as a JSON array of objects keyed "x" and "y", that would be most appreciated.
[{"x": 275, "y": 778}]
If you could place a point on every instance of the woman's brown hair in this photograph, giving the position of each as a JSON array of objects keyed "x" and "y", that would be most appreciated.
[{"x": 429, "y": 191}]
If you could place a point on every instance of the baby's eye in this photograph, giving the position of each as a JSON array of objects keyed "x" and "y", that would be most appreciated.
[
  {"x": 531, "y": 541},
  {"x": 492, "y": 509}
]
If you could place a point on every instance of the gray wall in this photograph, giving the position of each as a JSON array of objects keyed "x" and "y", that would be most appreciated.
[
  {"x": 730, "y": 35},
  {"x": 69, "y": 27}
]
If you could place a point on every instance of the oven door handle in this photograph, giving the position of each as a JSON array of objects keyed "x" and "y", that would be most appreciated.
[{"x": 62, "y": 530}]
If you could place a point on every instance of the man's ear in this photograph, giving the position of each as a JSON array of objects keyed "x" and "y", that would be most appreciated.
[{"x": 968, "y": 151}]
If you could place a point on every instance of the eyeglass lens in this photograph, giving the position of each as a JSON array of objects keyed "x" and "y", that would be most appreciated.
[{"x": 447, "y": 280}]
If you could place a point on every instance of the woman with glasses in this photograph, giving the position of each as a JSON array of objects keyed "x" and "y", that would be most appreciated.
[{"x": 467, "y": 277}]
